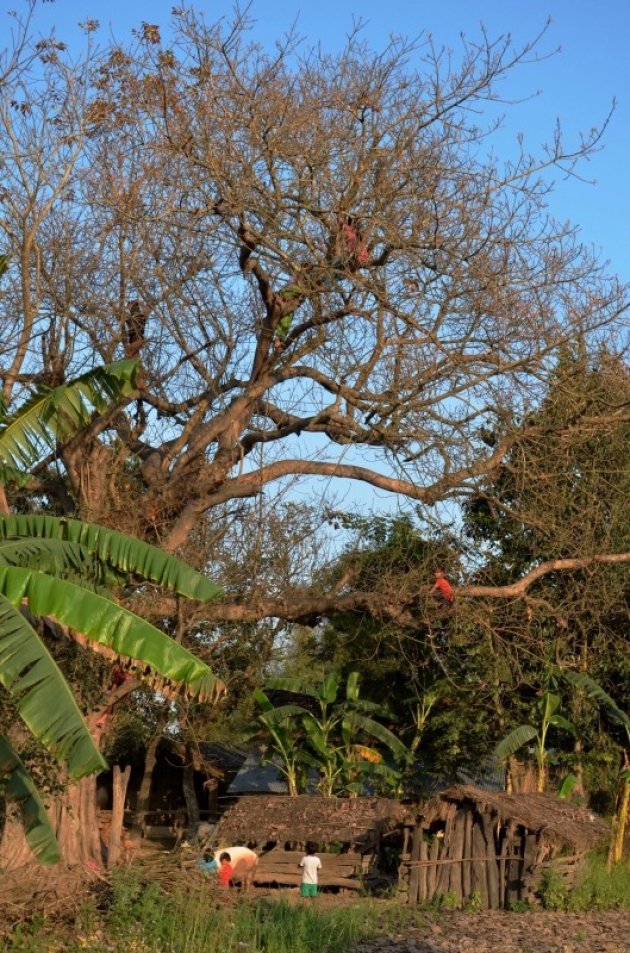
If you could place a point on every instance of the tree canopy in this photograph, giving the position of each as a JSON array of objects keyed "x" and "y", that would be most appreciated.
[{"x": 322, "y": 266}]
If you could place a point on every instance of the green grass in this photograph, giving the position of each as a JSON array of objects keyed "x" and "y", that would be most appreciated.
[{"x": 136, "y": 918}]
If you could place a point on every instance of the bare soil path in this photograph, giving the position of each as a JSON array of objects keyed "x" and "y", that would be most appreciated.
[{"x": 494, "y": 932}]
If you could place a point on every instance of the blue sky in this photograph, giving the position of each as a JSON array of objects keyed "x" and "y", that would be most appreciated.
[{"x": 577, "y": 85}]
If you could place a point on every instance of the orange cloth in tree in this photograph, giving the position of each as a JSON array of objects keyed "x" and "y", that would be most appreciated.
[{"x": 443, "y": 586}]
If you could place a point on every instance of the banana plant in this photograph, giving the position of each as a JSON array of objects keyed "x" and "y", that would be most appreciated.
[
  {"x": 52, "y": 415},
  {"x": 286, "y": 747},
  {"x": 550, "y": 717},
  {"x": 53, "y": 568},
  {"x": 331, "y": 735},
  {"x": 592, "y": 688}
]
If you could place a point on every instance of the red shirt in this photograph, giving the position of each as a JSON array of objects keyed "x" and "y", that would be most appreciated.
[{"x": 225, "y": 875}]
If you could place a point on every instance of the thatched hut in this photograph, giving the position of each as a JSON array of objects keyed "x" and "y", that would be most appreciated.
[
  {"x": 348, "y": 833},
  {"x": 468, "y": 843}
]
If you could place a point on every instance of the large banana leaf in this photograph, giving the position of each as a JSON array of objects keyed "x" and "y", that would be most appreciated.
[
  {"x": 105, "y": 623},
  {"x": 595, "y": 690},
  {"x": 282, "y": 714},
  {"x": 43, "y": 697},
  {"x": 52, "y": 415},
  {"x": 114, "y": 549},
  {"x": 515, "y": 740},
  {"x": 16, "y": 785},
  {"x": 296, "y": 685},
  {"x": 372, "y": 728},
  {"x": 317, "y": 738},
  {"x": 559, "y": 721}
]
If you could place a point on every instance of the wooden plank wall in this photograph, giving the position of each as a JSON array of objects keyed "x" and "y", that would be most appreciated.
[
  {"x": 465, "y": 853},
  {"x": 337, "y": 870}
]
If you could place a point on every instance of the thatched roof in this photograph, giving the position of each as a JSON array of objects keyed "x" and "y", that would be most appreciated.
[
  {"x": 576, "y": 827},
  {"x": 258, "y": 819}
]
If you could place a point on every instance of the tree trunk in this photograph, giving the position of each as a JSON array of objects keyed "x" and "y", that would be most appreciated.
[
  {"x": 76, "y": 823},
  {"x": 190, "y": 796},
  {"x": 73, "y": 815},
  {"x": 120, "y": 783},
  {"x": 144, "y": 792},
  {"x": 621, "y": 822}
]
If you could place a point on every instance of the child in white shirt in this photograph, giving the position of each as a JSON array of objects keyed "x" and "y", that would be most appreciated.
[{"x": 310, "y": 865}]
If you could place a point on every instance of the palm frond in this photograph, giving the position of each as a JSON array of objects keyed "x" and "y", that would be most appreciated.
[
  {"x": 515, "y": 740},
  {"x": 121, "y": 552},
  {"x": 50, "y": 416},
  {"x": 111, "y": 627},
  {"x": 42, "y": 695}
]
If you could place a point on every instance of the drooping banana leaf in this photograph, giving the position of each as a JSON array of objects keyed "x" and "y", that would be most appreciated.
[
  {"x": 559, "y": 721},
  {"x": 515, "y": 740},
  {"x": 595, "y": 690},
  {"x": 108, "y": 625},
  {"x": 117, "y": 550},
  {"x": 52, "y": 415},
  {"x": 372, "y": 728},
  {"x": 42, "y": 695},
  {"x": 17, "y": 786},
  {"x": 296, "y": 685},
  {"x": 282, "y": 714}
]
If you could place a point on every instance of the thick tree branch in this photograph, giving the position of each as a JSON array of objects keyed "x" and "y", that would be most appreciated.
[{"x": 516, "y": 589}]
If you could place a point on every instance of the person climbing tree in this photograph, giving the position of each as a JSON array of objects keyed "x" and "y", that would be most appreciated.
[
  {"x": 350, "y": 253},
  {"x": 135, "y": 325},
  {"x": 355, "y": 248},
  {"x": 292, "y": 294},
  {"x": 443, "y": 586}
]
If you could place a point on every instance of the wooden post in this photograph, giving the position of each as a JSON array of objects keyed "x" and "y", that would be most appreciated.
[
  {"x": 456, "y": 852},
  {"x": 504, "y": 866},
  {"x": 467, "y": 854},
  {"x": 414, "y": 872},
  {"x": 432, "y": 870},
  {"x": 444, "y": 873},
  {"x": 530, "y": 853},
  {"x": 479, "y": 878},
  {"x": 120, "y": 782},
  {"x": 492, "y": 872},
  {"x": 422, "y": 883}
]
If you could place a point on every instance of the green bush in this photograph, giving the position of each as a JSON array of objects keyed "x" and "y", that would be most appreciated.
[
  {"x": 599, "y": 889},
  {"x": 552, "y": 890},
  {"x": 596, "y": 888}
]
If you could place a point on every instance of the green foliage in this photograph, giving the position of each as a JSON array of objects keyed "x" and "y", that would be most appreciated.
[
  {"x": 51, "y": 416},
  {"x": 17, "y": 787},
  {"x": 596, "y": 887},
  {"x": 567, "y": 785},
  {"x": 325, "y": 734},
  {"x": 142, "y": 917},
  {"x": 474, "y": 904},
  {"x": 552, "y": 890},
  {"x": 61, "y": 544},
  {"x": 548, "y": 717},
  {"x": 37, "y": 554}
]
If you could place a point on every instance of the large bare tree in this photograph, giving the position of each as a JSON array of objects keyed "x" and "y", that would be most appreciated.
[{"x": 319, "y": 261}]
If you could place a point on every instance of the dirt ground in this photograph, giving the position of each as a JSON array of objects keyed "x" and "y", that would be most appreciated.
[{"x": 494, "y": 932}]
